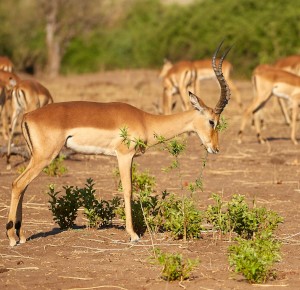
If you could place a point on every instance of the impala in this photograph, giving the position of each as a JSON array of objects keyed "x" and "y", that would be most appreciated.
[
  {"x": 270, "y": 81},
  {"x": 94, "y": 128},
  {"x": 26, "y": 96},
  {"x": 9, "y": 80},
  {"x": 290, "y": 63},
  {"x": 200, "y": 70},
  {"x": 177, "y": 79},
  {"x": 6, "y": 64}
]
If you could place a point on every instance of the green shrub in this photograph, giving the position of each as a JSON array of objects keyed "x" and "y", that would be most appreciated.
[
  {"x": 255, "y": 258},
  {"x": 216, "y": 215},
  {"x": 236, "y": 216},
  {"x": 64, "y": 208},
  {"x": 174, "y": 266},
  {"x": 98, "y": 213},
  {"x": 170, "y": 213},
  {"x": 180, "y": 217}
]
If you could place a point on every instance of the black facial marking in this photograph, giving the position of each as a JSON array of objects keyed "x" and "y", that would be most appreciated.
[{"x": 212, "y": 123}]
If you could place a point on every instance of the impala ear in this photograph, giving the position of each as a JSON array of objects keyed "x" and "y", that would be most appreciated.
[{"x": 197, "y": 102}]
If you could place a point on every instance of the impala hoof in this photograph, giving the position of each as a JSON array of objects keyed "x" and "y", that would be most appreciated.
[
  {"x": 22, "y": 240},
  {"x": 12, "y": 242},
  {"x": 134, "y": 238}
]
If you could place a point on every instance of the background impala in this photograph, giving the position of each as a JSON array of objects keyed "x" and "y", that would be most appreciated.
[
  {"x": 177, "y": 79},
  {"x": 184, "y": 76},
  {"x": 8, "y": 81},
  {"x": 268, "y": 81},
  {"x": 26, "y": 96}
]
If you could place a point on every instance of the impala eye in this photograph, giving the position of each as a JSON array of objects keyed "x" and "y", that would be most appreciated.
[{"x": 212, "y": 123}]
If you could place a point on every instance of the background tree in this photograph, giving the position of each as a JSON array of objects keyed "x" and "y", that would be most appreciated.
[
  {"x": 66, "y": 19},
  {"x": 83, "y": 36}
]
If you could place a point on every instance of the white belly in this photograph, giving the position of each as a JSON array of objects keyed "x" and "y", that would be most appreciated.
[{"x": 93, "y": 141}]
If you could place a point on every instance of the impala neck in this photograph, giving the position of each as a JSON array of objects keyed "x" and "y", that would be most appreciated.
[{"x": 169, "y": 126}]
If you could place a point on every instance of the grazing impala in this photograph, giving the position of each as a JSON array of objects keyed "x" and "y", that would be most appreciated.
[
  {"x": 26, "y": 96},
  {"x": 9, "y": 80},
  {"x": 290, "y": 63},
  {"x": 6, "y": 64},
  {"x": 269, "y": 81},
  {"x": 94, "y": 128},
  {"x": 177, "y": 79},
  {"x": 199, "y": 70}
]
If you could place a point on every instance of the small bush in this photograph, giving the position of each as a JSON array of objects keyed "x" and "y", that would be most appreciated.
[
  {"x": 174, "y": 266},
  {"x": 98, "y": 213},
  {"x": 64, "y": 208},
  {"x": 180, "y": 217},
  {"x": 236, "y": 216},
  {"x": 255, "y": 258},
  {"x": 216, "y": 215}
]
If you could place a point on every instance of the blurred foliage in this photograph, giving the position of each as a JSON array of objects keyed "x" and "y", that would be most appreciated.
[{"x": 147, "y": 31}]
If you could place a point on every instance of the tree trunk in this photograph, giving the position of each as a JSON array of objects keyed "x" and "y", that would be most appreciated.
[{"x": 53, "y": 44}]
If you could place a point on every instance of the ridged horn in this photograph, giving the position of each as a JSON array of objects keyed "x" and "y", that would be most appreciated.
[{"x": 225, "y": 90}]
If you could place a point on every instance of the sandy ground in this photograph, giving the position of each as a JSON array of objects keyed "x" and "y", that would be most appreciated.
[{"x": 104, "y": 258}]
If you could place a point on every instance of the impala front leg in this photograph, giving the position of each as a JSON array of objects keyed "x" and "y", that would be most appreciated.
[{"x": 125, "y": 164}]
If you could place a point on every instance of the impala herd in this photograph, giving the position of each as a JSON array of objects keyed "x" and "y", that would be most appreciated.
[{"x": 94, "y": 128}]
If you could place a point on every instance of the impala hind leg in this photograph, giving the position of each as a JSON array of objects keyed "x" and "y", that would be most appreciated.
[
  {"x": 254, "y": 110},
  {"x": 19, "y": 187},
  {"x": 284, "y": 110},
  {"x": 14, "y": 121},
  {"x": 125, "y": 164},
  {"x": 4, "y": 119},
  {"x": 295, "y": 109}
]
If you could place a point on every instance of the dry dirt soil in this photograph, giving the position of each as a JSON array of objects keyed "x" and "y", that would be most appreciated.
[{"x": 104, "y": 258}]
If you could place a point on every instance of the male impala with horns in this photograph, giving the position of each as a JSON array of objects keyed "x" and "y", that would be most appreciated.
[{"x": 94, "y": 128}]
